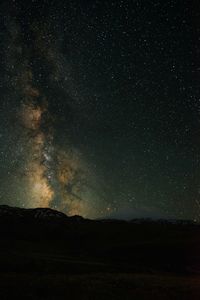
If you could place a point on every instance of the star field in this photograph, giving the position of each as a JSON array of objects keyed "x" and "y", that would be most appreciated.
[{"x": 100, "y": 107}]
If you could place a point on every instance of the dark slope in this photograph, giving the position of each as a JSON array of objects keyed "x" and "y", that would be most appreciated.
[{"x": 38, "y": 246}]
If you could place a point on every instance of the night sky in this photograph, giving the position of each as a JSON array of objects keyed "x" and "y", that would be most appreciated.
[{"x": 100, "y": 107}]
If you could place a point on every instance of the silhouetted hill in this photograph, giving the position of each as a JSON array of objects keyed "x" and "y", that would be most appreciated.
[
  {"x": 34, "y": 213},
  {"x": 48, "y": 214},
  {"x": 49, "y": 223}
]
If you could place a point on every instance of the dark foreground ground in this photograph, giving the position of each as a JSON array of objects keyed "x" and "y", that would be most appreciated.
[{"x": 47, "y": 258}]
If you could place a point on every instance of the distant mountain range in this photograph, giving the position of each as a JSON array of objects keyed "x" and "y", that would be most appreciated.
[{"x": 48, "y": 214}]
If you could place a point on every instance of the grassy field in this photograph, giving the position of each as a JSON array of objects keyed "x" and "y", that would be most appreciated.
[
  {"x": 94, "y": 260},
  {"x": 98, "y": 286}
]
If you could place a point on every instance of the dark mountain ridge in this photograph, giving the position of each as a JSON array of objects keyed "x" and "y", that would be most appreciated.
[{"x": 48, "y": 214}]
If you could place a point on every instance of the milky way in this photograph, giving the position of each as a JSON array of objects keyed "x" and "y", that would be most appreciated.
[
  {"x": 51, "y": 176},
  {"x": 100, "y": 107}
]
